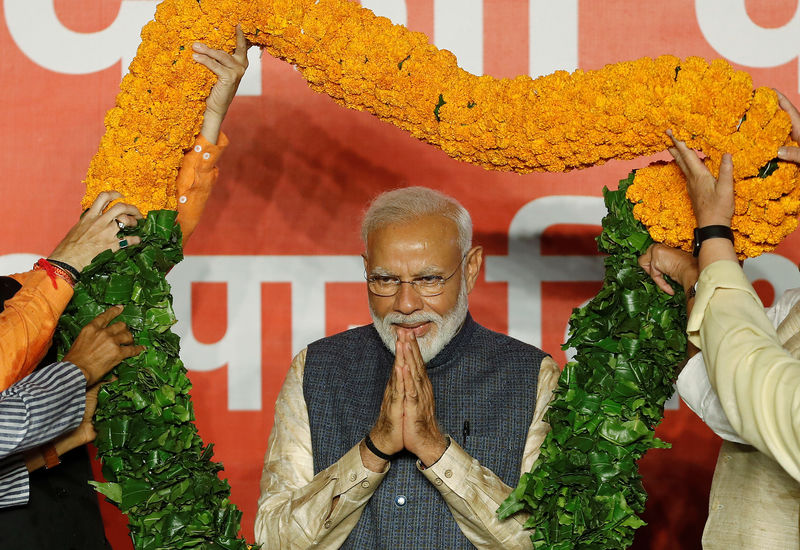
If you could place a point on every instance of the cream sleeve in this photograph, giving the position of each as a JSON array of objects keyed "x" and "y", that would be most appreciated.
[
  {"x": 756, "y": 379},
  {"x": 296, "y": 509}
]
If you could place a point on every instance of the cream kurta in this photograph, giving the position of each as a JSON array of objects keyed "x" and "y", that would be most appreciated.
[
  {"x": 754, "y": 503},
  {"x": 757, "y": 380},
  {"x": 296, "y": 509}
]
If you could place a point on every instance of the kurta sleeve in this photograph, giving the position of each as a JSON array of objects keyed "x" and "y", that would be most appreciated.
[
  {"x": 197, "y": 176},
  {"x": 27, "y": 323},
  {"x": 756, "y": 379},
  {"x": 297, "y": 509},
  {"x": 473, "y": 492}
]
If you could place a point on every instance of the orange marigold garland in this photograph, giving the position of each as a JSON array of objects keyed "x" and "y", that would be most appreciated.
[{"x": 554, "y": 123}]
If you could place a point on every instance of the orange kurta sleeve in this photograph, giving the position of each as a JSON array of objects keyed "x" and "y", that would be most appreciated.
[
  {"x": 196, "y": 177},
  {"x": 27, "y": 324}
]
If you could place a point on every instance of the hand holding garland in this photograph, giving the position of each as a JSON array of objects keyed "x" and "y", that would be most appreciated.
[
  {"x": 99, "y": 347},
  {"x": 96, "y": 231},
  {"x": 229, "y": 70},
  {"x": 713, "y": 204}
]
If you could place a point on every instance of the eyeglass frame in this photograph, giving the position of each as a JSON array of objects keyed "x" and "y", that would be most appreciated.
[{"x": 415, "y": 282}]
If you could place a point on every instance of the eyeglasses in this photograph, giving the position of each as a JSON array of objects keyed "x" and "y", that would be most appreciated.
[{"x": 429, "y": 285}]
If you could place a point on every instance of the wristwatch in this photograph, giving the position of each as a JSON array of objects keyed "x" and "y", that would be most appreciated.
[{"x": 709, "y": 232}]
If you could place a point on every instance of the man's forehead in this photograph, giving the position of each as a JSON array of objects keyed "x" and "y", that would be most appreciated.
[
  {"x": 428, "y": 242},
  {"x": 428, "y": 228}
]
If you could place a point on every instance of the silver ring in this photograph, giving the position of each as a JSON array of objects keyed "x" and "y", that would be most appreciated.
[{"x": 119, "y": 224}]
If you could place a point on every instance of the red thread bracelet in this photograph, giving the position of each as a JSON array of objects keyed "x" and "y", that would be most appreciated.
[{"x": 53, "y": 272}]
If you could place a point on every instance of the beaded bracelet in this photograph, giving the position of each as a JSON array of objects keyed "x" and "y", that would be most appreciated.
[{"x": 53, "y": 272}]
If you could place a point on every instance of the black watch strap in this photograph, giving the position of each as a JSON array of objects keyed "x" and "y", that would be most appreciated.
[{"x": 710, "y": 232}]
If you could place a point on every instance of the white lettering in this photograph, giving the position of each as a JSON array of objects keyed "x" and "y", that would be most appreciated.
[
  {"x": 40, "y": 35},
  {"x": 394, "y": 9},
  {"x": 525, "y": 268},
  {"x": 729, "y": 30},
  {"x": 553, "y": 43},
  {"x": 240, "y": 348},
  {"x": 458, "y": 27}
]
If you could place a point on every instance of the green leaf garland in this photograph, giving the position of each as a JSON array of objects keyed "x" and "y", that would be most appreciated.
[
  {"x": 584, "y": 491},
  {"x": 159, "y": 471}
]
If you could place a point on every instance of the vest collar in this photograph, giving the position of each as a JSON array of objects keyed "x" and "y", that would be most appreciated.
[{"x": 455, "y": 347}]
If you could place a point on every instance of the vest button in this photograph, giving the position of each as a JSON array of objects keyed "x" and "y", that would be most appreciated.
[
  {"x": 437, "y": 481},
  {"x": 327, "y": 524},
  {"x": 400, "y": 500},
  {"x": 365, "y": 484},
  {"x": 353, "y": 476},
  {"x": 448, "y": 474}
]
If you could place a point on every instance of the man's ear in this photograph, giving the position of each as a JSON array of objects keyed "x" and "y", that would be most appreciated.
[{"x": 474, "y": 262}]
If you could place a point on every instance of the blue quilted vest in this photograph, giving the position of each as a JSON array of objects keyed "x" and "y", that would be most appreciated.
[{"x": 481, "y": 377}]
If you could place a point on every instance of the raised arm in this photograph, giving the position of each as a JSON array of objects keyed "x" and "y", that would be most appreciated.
[{"x": 199, "y": 172}]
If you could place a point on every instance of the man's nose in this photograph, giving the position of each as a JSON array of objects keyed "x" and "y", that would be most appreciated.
[{"x": 407, "y": 300}]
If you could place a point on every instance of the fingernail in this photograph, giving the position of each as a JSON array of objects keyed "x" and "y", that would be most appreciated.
[
  {"x": 782, "y": 152},
  {"x": 195, "y": 57},
  {"x": 197, "y": 46},
  {"x": 669, "y": 132}
]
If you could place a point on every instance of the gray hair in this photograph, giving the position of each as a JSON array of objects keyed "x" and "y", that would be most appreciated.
[{"x": 410, "y": 203}]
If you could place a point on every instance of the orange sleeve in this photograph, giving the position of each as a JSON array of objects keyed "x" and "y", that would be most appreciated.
[
  {"x": 27, "y": 324},
  {"x": 196, "y": 177}
]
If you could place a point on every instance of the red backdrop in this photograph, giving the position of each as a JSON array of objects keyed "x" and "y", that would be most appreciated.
[{"x": 274, "y": 263}]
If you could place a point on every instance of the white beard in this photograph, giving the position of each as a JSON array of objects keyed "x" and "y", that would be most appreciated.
[{"x": 445, "y": 326}]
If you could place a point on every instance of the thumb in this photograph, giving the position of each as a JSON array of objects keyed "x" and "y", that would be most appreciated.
[{"x": 725, "y": 180}]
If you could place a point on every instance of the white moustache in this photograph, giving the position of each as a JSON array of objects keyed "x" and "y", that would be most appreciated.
[{"x": 394, "y": 318}]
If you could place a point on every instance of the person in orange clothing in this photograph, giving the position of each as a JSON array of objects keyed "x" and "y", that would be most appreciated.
[
  {"x": 61, "y": 499},
  {"x": 29, "y": 319}
]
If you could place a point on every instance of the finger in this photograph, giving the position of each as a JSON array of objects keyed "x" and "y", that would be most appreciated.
[
  {"x": 102, "y": 201},
  {"x": 396, "y": 406},
  {"x": 414, "y": 382},
  {"x": 416, "y": 354},
  {"x": 794, "y": 114},
  {"x": 128, "y": 220},
  {"x": 216, "y": 60},
  {"x": 118, "y": 210},
  {"x": 130, "y": 351},
  {"x": 412, "y": 392},
  {"x": 130, "y": 240},
  {"x": 678, "y": 160},
  {"x": 689, "y": 157},
  {"x": 115, "y": 329},
  {"x": 102, "y": 320},
  {"x": 410, "y": 362},
  {"x": 725, "y": 180},
  {"x": 662, "y": 283},
  {"x": 240, "y": 53},
  {"x": 788, "y": 153},
  {"x": 645, "y": 259},
  {"x": 124, "y": 338}
]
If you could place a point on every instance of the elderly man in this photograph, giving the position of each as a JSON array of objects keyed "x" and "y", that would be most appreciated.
[{"x": 410, "y": 432}]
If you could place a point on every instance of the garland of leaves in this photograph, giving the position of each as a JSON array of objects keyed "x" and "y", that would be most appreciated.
[
  {"x": 158, "y": 470},
  {"x": 584, "y": 490}
]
